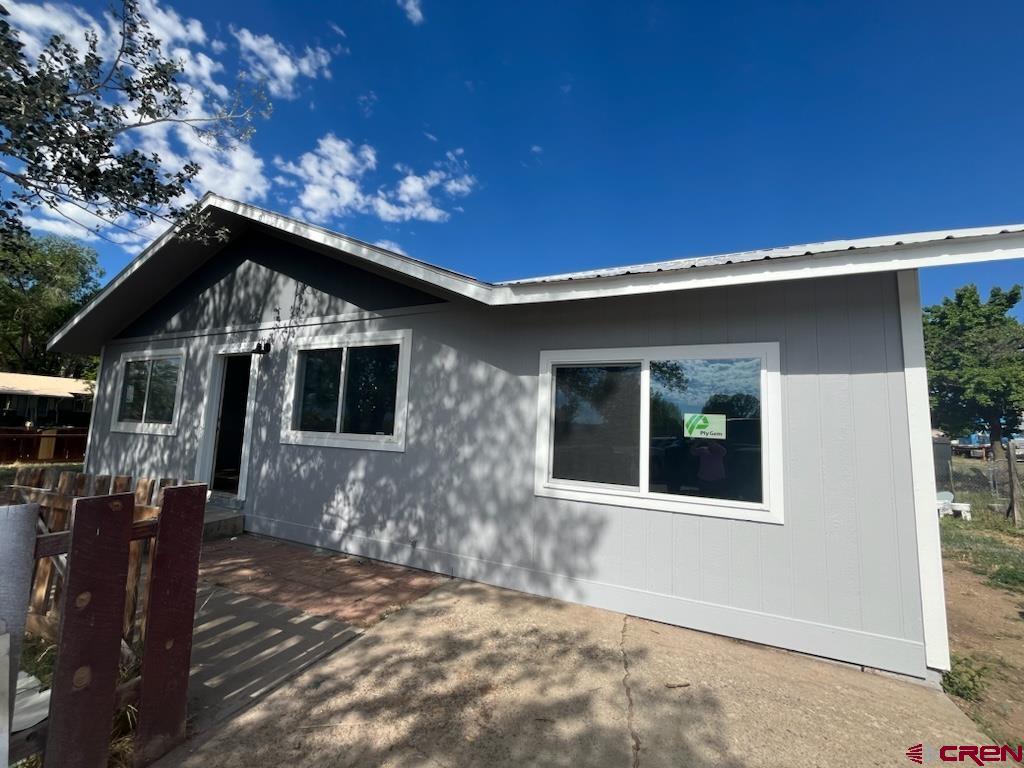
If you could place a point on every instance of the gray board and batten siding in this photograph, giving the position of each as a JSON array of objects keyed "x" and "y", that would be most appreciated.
[{"x": 838, "y": 578}]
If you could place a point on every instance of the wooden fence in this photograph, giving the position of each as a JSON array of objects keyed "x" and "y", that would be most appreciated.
[
  {"x": 47, "y": 445},
  {"x": 114, "y": 570}
]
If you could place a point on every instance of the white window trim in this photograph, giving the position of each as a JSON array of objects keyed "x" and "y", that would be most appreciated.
[
  {"x": 139, "y": 427},
  {"x": 770, "y": 511},
  {"x": 395, "y": 442}
]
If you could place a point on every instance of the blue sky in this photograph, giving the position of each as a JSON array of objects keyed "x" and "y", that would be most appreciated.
[{"x": 512, "y": 139}]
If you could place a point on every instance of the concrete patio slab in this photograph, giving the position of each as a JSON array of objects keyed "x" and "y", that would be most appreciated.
[
  {"x": 472, "y": 675},
  {"x": 346, "y": 588}
]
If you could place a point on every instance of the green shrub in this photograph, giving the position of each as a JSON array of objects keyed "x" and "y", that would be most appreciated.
[{"x": 964, "y": 679}]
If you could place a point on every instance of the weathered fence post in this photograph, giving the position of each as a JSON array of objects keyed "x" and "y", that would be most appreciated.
[
  {"x": 17, "y": 556},
  {"x": 170, "y": 607},
  {"x": 89, "y": 641},
  {"x": 1015, "y": 489},
  {"x": 6, "y": 705}
]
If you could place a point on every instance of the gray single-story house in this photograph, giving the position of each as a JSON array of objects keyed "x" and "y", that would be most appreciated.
[{"x": 738, "y": 444}]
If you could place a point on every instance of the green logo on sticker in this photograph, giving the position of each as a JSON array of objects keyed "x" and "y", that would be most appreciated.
[
  {"x": 695, "y": 422},
  {"x": 704, "y": 425}
]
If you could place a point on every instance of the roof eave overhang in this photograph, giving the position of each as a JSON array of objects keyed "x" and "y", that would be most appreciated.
[
  {"x": 828, "y": 264},
  {"x": 991, "y": 246}
]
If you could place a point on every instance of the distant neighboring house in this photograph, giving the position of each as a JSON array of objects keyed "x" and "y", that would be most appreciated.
[
  {"x": 44, "y": 400},
  {"x": 737, "y": 443}
]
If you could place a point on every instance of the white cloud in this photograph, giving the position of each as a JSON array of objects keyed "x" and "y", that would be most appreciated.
[
  {"x": 336, "y": 29},
  {"x": 235, "y": 171},
  {"x": 391, "y": 245},
  {"x": 335, "y": 179},
  {"x": 537, "y": 149},
  {"x": 169, "y": 27},
  {"x": 332, "y": 179},
  {"x": 413, "y": 11},
  {"x": 278, "y": 65},
  {"x": 367, "y": 102},
  {"x": 36, "y": 24}
]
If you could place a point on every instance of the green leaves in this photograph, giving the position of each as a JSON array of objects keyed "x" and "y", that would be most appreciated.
[
  {"x": 43, "y": 282},
  {"x": 66, "y": 118},
  {"x": 975, "y": 354}
]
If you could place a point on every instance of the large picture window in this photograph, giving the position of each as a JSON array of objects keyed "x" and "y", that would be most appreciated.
[
  {"x": 149, "y": 391},
  {"x": 348, "y": 391},
  {"x": 689, "y": 429}
]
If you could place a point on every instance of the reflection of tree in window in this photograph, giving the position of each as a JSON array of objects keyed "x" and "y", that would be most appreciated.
[
  {"x": 666, "y": 417},
  {"x": 596, "y": 430},
  {"x": 321, "y": 379},
  {"x": 728, "y": 468},
  {"x": 149, "y": 390},
  {"x": 163, "y": 386},
  {"x": 371, "y": 389},
  {"x": 133, "y": 390}
]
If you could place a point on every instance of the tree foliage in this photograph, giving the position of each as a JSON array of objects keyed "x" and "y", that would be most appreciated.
[
  {"x": 66, "y": 122},
  {"x": 975, "y": 354},
  {"x": 43, "y": 282}
]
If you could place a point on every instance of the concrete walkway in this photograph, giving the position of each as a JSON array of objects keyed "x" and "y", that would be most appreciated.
[{"x": 476, "y": 676}]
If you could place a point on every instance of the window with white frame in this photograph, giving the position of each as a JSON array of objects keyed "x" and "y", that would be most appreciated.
[
  {"x": 686, "y": 428},
  {"x": 348, "y": 391},
  {"x": 149, "y": 391}
]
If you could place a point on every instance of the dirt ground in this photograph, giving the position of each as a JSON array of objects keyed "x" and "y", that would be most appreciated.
[
  {"x": 987, "y": 625},
  {"x": 471, "y": 675}
]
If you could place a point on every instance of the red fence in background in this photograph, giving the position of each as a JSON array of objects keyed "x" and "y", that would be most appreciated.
[{"x": 42, "y": 445}]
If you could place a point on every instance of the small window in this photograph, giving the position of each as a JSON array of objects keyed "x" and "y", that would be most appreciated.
[
  {"x": 351, "y": 393},
  {"x": 689, "y": 429},
  {"x": 150, "y": 391}
]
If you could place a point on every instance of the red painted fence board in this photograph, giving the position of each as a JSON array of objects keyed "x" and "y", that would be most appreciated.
[
  {"x": 89, "y": 646},
  {"x": 170, "y": 610}
]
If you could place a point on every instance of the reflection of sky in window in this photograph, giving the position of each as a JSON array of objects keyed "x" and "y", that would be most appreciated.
[{"x": 704, "y": 378}]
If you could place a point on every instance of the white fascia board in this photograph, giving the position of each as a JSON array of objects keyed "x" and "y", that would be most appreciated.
[
  {"x": 462, "y": 285},
  {"x": 133, "y": 266},
  {"x": 851, "y": 262},
  {"x": 855, "y": 260},
  {"x": 926, "y": 518},
  {"x": 419, "y": 270}
]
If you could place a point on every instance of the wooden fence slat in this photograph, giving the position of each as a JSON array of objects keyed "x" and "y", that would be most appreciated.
[
  {"x": 102, "y": 485},
  {"x": 171, "y": 598},
  {"x": 121, "y": 484},
  {"x": 143, "y": 490},
  {"x": 83, "y": 485},
  {"x": 52, "y": 544},
  {"x": 165, "y": 482},
  {"x": 135, "y": 553},
  {"x": 88, "y": 652},
  {"x": 56, "y": 517},
  {"x": 18, "y": 527},
  {"x": 50, "y": 477}
]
